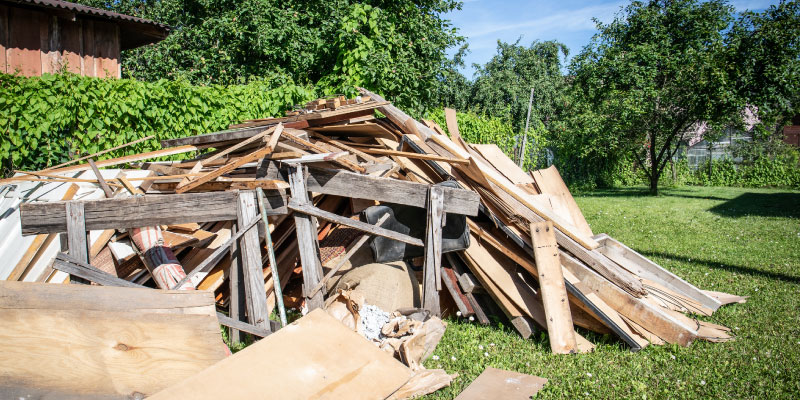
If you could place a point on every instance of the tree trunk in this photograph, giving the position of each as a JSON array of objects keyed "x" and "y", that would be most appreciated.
[{"x": 654, "y": 182}]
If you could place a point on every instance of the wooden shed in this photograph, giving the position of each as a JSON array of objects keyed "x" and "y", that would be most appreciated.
[{"x": 41, "y": 36}]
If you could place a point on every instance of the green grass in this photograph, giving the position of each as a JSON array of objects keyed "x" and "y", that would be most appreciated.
[{"x": 741, "y": 241}]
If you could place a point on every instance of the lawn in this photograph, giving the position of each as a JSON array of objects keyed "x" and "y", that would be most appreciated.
[{"x": 741, "y": 241}]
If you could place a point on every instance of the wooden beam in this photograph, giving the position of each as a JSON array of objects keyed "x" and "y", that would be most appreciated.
[
  {"x": 250, "y": 245},
  {"x": 362, "y": 226},
  {"x": 348, "y": 184},
  {"x": 94, "y": 155},
  {"x": 432, "y": 267},
  {"x": 416, "y": 156},
  {"x": 273, "y": 264},
  {"x": 214, "y": 137},
  {"x": 128, "y": 159},
  {"x": 553, "y": 290},
  {"x": 294, "y": 136},
  {"x": 254, "y": 156},
  {"x": 306, "y": 240},
  {"x": 136, "y": 212},
  {"x": 102, "y": 182}
]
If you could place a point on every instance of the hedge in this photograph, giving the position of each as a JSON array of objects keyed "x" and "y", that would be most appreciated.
[{"x": 53, "y": 118}]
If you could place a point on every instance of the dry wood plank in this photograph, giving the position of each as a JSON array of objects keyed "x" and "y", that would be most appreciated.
[
  {"x": 139, "y": 211},
  {"x": 495, "y": 383},
  {"x": 502, "y": 163},
  {"x": 645, "y": 268},
  {"x": 76, "y": 230},
  {"x": 345, "y": 147},
  {"x": 554, "y": 292},
  {"x": 250, "y": 249},
  {"x": 338, "y": 364},
  {"x": 116, "y": 341},
  {"x": 306, "y": 240},
  {"x": 416, "y": 156},
  {"x": 432, "y": 267},
  {"x": 549, "y": 181},
  {"x": 324, "y": 117},
  {"x": 362, "y": 226},
  {"x": 216, "y": 173},
  {"x": 649, "y": 317},
  {"x": 101, "y": 242},
  {"x": 294, "y": 135},
  {"x": 128, "y": 159},
  {"x": 348, "y": 184},
  {"x": 102, "y": 182},
  {"x": 100, "y": 153}
]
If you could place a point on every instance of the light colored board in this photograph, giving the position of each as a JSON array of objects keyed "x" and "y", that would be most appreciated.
[
  {"x": 643, "y": 267},
  {"x": 432, "y": 266},
  {"x": 313, "y": 357},
  {"x": 74, "y": 344},
  {"x": 549, "y": 181},
  {"x": 306, "y": 232},
  {"x": 495, "y": 383},
  {"x": 726, "y": 298},
  {"x": 502, "y": 163},
  {"x": 553, "y": 289}
]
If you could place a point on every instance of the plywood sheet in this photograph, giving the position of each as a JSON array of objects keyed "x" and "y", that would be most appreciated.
[
  {"x": 502, "y": 163},
  {"x": 496, "y": 383},
  {"x": 316, "y": 357},
  {"x": 60, "y": 341},
  {"x": 549, "y": 181}
]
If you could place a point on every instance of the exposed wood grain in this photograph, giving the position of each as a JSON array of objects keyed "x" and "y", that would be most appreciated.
[
  {"x": 549, "y": 181},
  {"x": 554, "y": 292},
  {"x": 139, "y": 211},
  {"x": 76, "y": 230},
  {"x": 348, "y": 184},
  {"x": 306, "y": 239},
  {"x": 250, "y": 249},
  {"x": 294, "y": 135},
  {"x": 216, "y": 173},
  {"x": 102, "y": 182},
  {"x": 128, "y": 159},
  {"x": 432, "y": 267},
  {"x": 95, "y": 155}
]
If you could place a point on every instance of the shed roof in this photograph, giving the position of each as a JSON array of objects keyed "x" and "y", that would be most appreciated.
[{"x": 134, "y": 31}]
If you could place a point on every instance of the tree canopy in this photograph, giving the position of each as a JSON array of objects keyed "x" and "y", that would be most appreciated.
[{"x": 394, "y": 47}]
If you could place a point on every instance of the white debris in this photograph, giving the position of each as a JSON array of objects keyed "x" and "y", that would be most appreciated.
[{"x": 372, "y": 319}]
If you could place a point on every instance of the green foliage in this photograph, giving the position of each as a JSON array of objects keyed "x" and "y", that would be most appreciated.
[
  {"x": 653, "y": 73},
  {"x": 53, "y": 118},
  {"x": 396, "y": 48},
  {"x": 764, "y": 172}
]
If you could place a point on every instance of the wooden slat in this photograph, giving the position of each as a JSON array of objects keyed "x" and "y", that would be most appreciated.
[
  {"x": 554, "y": 292},
  {"x": 415, "y": 156},
  {"x": 216, "y": 173},
  {"x": 549, "y": 181},
  {"x": 128, "y": 159},
  {"x": 139, "y": 211},
  {"x": 362, "y": 226},
  {"x": 294, "y": 136},
  {"x": 348, "y": 184},
  {"x": 250, "y": 250},
  {"x": 432, "y": 267},
  {"x": 76, "y": 230},
  {"x": 306, "y": 240}
]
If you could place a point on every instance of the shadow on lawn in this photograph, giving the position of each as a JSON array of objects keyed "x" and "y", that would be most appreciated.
[
  {"x": 644, "y": 192},
  {"x": 785, "y": 204},
  {"x": 727, "y": 267}
]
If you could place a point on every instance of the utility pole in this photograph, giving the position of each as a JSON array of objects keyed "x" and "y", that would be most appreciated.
[{"x": 525, "y": 137}]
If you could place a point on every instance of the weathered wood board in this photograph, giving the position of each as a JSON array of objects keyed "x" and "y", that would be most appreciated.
[{"x": 311, "y": 358}]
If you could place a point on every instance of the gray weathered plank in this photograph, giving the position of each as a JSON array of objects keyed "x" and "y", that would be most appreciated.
[
  {"x": 348, "y": 184},
  {"x": 306, "y": 240},
  {"x": 236, "y": 305},
  {"x": 141, "y": 211},
  {"x": 362, "y": 226},
  {"x": 214, "y": 137},
  {"x": 252, "y": 272},
  {"x": 431, "y": 270}
]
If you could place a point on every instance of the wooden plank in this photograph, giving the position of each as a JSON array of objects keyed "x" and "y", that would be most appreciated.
[
  {"x": 273, "y": 263},
  {"x": 323, "y": 117},
  {"x": 432, "y": 267},
  {"x": 236, "y": 296},
  {"x": 495, "y": 383},
  {"x": 644, "y": 314},
  {"x": 250, "y": 249},
  {"x": 554, "y": 292},
  {"x": 136, "y": 212},
  {"x": 415, "y": 156},
  {"x": 102, "y": 182},
  {"x": 549, "y": 181},
  {"x": 128, "y": 159},
  {"x": 645, "y": 268},
  {"x": 355, "y": 224},
  {"x": 306, "y": 240},
  {"x": 348, "y": 184},
  {"x": 95, "y": 155},
  {"x": 101, "y": 242},
  {"x": 216, "y": 173},
  {"x": 338, "y": 364},
  {"x": 115, "y": 341},
  {"x": 22, "y": 267},
  {"x": 502, "y": 163},
  {"x": 76, "y": 230},
  {"x": 294, "y": 135},
  {"x": 214, "y": 137}
]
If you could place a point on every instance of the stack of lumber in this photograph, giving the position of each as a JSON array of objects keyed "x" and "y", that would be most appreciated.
[{"x": 267, "y": 216}]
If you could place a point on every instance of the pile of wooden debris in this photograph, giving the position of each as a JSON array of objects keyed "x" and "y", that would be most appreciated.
[{"x": 385, "y": 223}]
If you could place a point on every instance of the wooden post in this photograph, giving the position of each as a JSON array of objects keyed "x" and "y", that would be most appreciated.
[
  {"x": 252, "y": 273},
  {"x": 236, "y": 300},
  {"x": 273, "y": 265},
  {"x": 76, "y": 236},
  {"x": 306, "y": 240},
  {"x": 554, "y": 291},
  {"x": 431, "y": 270}
]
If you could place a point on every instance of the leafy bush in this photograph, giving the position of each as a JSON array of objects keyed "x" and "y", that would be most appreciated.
[{"x": 50, "y": 119}]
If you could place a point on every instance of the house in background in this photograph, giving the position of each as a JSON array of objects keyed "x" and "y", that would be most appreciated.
[
  {"x": 48, "y": 36},
  {"x": 791, "y": 133}
]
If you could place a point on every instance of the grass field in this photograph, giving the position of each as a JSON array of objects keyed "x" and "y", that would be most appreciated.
[{"x": 741, "y": 241}]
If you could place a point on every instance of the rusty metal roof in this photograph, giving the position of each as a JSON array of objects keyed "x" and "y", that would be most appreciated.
[{"x": 135, "y": 31}]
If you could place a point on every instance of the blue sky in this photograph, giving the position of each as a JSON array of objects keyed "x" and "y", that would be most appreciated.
[{"x": 483, "y": 22}]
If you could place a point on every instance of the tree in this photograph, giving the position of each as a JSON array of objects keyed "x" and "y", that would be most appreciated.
[
  {"x": 655, "y": 72},
  {"x": 765, "y": 59},
  {"x": 503, "y": 85},
  {"x": 396, "y": 48}
]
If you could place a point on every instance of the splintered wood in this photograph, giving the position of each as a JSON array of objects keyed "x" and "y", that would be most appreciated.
[{"x": 342, "y": 183}]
